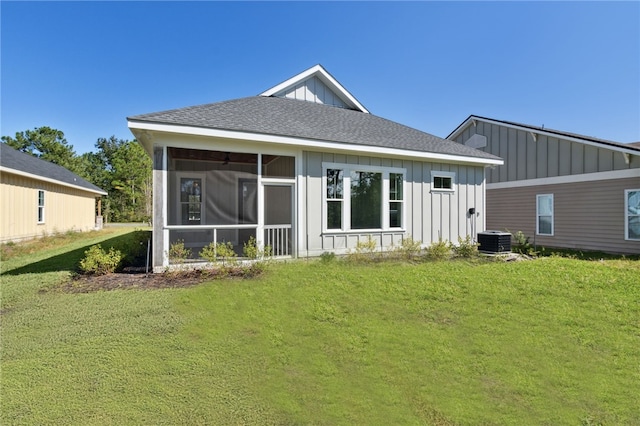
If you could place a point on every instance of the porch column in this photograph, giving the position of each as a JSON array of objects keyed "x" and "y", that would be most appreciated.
[{"x": 158, "y": 206}]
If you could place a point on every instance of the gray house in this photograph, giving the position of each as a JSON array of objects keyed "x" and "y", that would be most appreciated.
[
  {"x": 561, "y": 189},
  {"x": 306, "y": 169}
]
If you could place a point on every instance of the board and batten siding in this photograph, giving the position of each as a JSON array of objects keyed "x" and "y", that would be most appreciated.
[
  {"x": 587, "y": 215},
  {"x": 546, "y": 156},
  {"x": 65, "y": 209},
  {"x": 314, "y": 90},
  {"x": 428, "y": 215}
]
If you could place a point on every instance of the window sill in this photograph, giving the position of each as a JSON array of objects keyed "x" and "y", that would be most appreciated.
[{"x": 330, "y": 232}]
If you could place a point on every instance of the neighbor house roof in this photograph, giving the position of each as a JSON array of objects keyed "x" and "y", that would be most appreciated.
[
  {"x": 16, "y": 162},
  {"x": 603, "y": 143},
  {"x": 308, "y": 123}
]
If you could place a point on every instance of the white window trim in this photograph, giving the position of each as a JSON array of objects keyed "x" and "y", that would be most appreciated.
[
  {"x": 553, "y": 209},
  {"x": 346, "y": 196},
  {"x": 44, "y": 202},
  {"x": 438, "y": 173},
  {"x": 627, "y": 215}
]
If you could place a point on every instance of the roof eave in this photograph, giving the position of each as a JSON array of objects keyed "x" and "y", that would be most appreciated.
[
  {"x": 586, "y": 141},
  {"x": 5, "y": 169},
  {"x": 140, "y": 125}
]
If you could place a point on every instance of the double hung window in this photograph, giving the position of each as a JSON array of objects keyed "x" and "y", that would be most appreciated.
[
  {"x": 544, "y": 214},
  {"x": 632, "y": 214},
  {"x": 362, "y": 197}
]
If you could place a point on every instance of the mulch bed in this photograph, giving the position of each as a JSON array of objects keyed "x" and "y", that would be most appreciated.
[{"x": 134, "y": 279}]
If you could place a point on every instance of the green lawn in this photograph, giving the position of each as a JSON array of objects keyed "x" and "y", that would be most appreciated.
[{"x": 550, "y": 341}]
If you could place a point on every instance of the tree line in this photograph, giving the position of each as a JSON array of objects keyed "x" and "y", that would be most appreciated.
[{"x": 120, "y": 167}]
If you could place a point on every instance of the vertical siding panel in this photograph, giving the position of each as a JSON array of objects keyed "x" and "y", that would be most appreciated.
[
  {"x": 577, "y": 158},
  {"x": 416, "y": 195},
  {"x": 619, "y": 163},
  {"x": 427, "y": 204},
  {"x": 463, "y": 204},
  {"x": 605, "y": 160},
  {"x": 480, "y": 202},
  {"x": 521, "y": 155},
  {"x": 590, "y": 159},
  {"x": 552, "y": 156},
  {"x": 532, "y": 157},
  {"x": 512, "y": 155},
  {"x": 542, "y": 147},
  {"x": 315, "y": 209},
  {"x": 504, "y": 153},
  {"x": 564, "y": 157},
  {"x": 494, "y": 144}
]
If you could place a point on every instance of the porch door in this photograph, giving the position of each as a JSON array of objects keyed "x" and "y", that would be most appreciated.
[{"x": 278, "y": 219}]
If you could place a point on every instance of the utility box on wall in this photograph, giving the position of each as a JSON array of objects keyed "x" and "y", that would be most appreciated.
[{"x": 494, "y": 242}]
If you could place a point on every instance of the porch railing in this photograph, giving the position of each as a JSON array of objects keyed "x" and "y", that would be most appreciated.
[{"x": 278, "y": 237}]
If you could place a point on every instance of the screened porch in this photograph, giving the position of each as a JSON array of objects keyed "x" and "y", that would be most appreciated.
[{"x": 230, "y": 197}]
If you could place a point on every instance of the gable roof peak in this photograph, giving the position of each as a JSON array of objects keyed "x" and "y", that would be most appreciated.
[{"x": 327, "y": 90}]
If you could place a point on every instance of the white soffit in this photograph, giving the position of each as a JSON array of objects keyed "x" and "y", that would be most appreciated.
[{"x": 319, "y": 72}]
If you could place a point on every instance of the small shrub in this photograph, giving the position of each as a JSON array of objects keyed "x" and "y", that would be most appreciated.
[
  {"x": 209, "y": 252},
  {"x": 327, "y": 257},
  {"x": 225, "y": 252},
  {"x": 521, "y": 244},
  {"x": 465, "y": 248},
  {"x": 364, "y": 251},
  {"x": 439, "y": 250},
  {"x": 97, "y": 261},
  {"x": 178, "y": 253},
  {"x": 251, "y": 250},
  {"x": 409, "y": 249}
]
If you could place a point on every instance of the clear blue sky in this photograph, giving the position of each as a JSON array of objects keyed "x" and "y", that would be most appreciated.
[{"x": 84, "y": 67}]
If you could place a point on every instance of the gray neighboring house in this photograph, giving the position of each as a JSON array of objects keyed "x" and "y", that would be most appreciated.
[
  {"x": 561, "y": 189},
  {"x": 304, "y": 168},
  {"x": 40, "y": 198}
]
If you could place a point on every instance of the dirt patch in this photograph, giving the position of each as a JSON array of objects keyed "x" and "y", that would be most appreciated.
[{"x": 138, "y": 280}]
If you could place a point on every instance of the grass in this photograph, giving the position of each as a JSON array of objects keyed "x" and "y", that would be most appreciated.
[{"x": 549, "y": 341}]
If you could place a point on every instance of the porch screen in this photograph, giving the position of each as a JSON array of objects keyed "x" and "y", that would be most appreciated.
[{"x": 212, "y": 188}]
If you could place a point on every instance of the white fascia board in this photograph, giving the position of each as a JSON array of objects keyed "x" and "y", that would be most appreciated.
[
  {"x": 326, "y": 78},
  {"x": 460, "y": 128},
  {"x": 585, "y": 177},
  {"x": 310, "y": 143},
  {"x": 602, "y": 145},
  {"x": 4, "y": 169}
]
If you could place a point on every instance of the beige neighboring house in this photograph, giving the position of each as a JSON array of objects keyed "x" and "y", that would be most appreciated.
[
  {"x": 40, "y": 198},
  {"x": 561, "y": 189}
]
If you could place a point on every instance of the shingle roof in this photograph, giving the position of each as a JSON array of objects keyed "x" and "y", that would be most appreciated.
[
  {"x": 25, "y": 163},
  {"x": 308, "y": 120}
]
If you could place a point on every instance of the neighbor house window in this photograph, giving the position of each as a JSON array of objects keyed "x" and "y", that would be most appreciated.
[
  {"x": 40, "y": 206},
  {"x": 442, "y": 181},
  {"x": 632, "y": 214},
  {"x": 544, "y": 213},
  {"x": 363, "y": 197}
]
